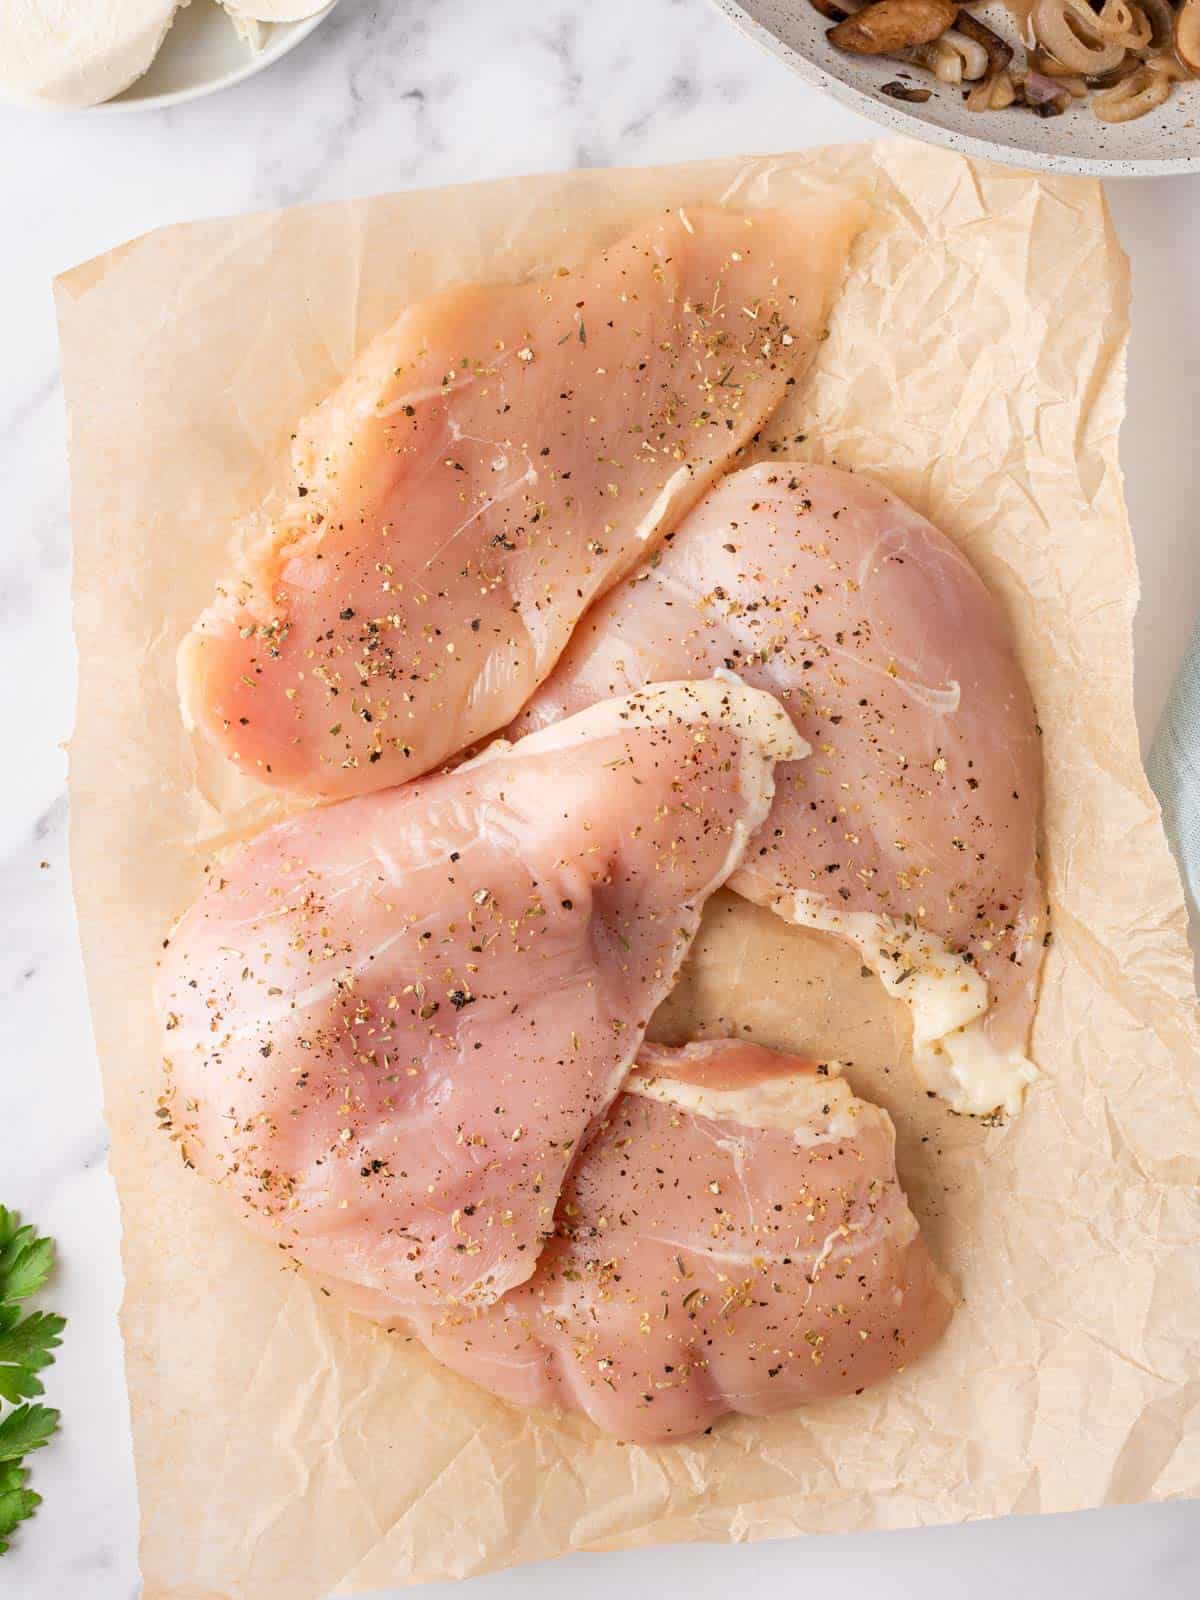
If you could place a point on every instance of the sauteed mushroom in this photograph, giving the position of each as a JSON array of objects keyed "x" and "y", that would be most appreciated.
[
  {"x": 1129, "y": 50},
  {"x": 895, "y": 90},
  {"x": 886, "y": 26}
]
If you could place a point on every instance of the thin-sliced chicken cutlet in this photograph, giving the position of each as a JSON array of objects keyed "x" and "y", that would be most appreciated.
[
  {"x": 390, "y": 1022},
  {"x": 493, "y": 462},
  {"x": 734, "y": 1238},
  {"x": 912, "y": 830}
]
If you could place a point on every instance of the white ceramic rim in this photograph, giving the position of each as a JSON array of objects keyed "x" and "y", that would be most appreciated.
[
  {"x": 274, "y": 51},
  {"x": 916, "y": 128}
]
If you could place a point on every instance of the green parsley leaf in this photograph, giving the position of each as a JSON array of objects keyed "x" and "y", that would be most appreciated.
[
  {"x": 16, "y": 1501},
  {"x": 25, "y": 1260},
  {"x": 27, "y": 1342},
  {"x": 25, "y": 1429}
]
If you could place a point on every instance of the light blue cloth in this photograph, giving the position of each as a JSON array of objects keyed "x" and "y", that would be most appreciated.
[{"x": 1173, "y": 768}]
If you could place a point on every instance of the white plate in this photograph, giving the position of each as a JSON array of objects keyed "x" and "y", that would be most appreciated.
[
  {"x": 202, "y": 53},
  {"x": 1163, "y": 141}
]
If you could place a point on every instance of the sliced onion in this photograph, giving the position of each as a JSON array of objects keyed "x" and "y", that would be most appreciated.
[
  {"x": 1060, "y": 29},
  {"x": 1106, "y": 80},
  {"x": 993, "y": 94},
  {"x": 1039, "y": 61},
  {"x": 1114, "y": 20},
  {"x": 998, "y": 51},
  {"x": 1141, "y": 35},
  {"x": 958, "y": 59},
  {"x": 947, "y": 63},
  {"x": 1042, "y": 61},
  {"x": 1111, "y": 24},
  {"x": 1128, "y": 25},
  {"x": 1144, "y": 90}
]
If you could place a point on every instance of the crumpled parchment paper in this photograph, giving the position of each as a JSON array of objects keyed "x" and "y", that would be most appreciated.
[{"x": 975, "y": 363}]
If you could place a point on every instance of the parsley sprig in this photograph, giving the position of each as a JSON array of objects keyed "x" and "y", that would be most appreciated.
[{"x": 27, "y": 1342}]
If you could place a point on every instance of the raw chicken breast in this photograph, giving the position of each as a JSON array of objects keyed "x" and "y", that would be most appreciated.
[
  {"x": 496, "y": 459},
  {"x": 913, "y": 829},
  {"x": 733, "y": 1238},
  {"x": 390, "y": 1022}
]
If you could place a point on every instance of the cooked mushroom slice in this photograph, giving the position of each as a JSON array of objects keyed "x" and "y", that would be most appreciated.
[
  {"x": 906, "y": 91},
  {"x": 1069, "y": 30},
  {"x": 835, "y": 13},
  {"x": 1161, "y": 16},
  {"x": 887, "y": 26},
  {"x": 1144, "y": 90},
  {"x": 1187, "y": 35}
]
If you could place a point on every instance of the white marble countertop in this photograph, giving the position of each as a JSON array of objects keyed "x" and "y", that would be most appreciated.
[{"x": 387, "y": 96}]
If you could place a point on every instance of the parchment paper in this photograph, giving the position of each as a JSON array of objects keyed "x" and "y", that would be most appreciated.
[{"x": 976, "y": 364}]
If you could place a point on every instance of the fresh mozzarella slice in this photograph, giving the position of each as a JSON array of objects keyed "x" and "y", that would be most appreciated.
[{"x": 78, "y": 52}]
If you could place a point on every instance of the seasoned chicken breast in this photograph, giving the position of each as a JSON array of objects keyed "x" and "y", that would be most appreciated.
[
  {"x": 733, "y": 1238},
  {"x": 912, "y": 830},
  {"x": 389, "y": 1023},
  {"x": 493, "y": 462}
]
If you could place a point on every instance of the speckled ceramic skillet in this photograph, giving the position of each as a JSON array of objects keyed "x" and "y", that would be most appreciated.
[{"x": 1163, "y": 141}]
